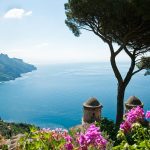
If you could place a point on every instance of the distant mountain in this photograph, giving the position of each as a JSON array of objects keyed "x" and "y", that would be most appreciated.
[{"x": 11, "y": 68}]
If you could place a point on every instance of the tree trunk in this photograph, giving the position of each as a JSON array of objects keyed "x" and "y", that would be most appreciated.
[
  {"x": 120, "y": 103},
  {"x": 122, "y": 83}
]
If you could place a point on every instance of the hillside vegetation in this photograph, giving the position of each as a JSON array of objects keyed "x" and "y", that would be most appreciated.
[
  {"x": 9, "y": 129},
  {"x": 11, "y": 68}
]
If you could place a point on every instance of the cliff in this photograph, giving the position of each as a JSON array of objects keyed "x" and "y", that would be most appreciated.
[{"x": 11, "y": 68}]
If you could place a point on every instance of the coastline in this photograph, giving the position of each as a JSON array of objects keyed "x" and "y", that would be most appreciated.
[{"x": 20, "y": 76}]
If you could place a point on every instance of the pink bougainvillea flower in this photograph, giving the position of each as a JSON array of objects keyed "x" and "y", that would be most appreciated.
[
  {"x": 147, "y": 115},
  {"x": 135, "y": 114},
  {"x": 125, "y": 126},
  {"x": 92, "y": 137},
  {"x": 69, "y": 146}
]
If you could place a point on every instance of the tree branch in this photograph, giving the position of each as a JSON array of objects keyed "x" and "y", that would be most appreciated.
[
  {"x": 114, "y": 65},
  {"x": 130, "y": 72},
  {"x": 128, "y": 52},
  {"x": 142, "y": 52},
  {"x": 137, "y": 71},
  {"x": 90, "y": 25},
  {"x": 85, "y": 28},
  {"x": 138, "y": 60},
  {"x": 119, "y": 50}
]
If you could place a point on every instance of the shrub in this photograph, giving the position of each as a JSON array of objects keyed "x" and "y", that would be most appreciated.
[
  {"x": 60, "y": 139},
  {"x": 108, "y": 127},
  {"x": 134, "y": 132},
  {"x": 10, "y": 129}
]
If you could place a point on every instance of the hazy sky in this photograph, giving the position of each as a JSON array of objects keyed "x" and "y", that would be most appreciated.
[{"x": 34, "y": 30}]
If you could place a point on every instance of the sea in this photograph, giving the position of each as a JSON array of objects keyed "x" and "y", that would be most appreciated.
[{"x": 53, "y": 95}]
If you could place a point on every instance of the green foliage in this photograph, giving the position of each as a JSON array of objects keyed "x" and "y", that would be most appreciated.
[
  {"x": 144, "y": 64},
  {"x": 137, "y": 138},
  {"x": 41, "y": 139},
  {"x": 10, "y": 129},
  {"x": 121, "y": 21},
  {"x": 109, "y": 127},
  {"x": 59, "y": 139},
  {"x": 4, "y": 147},
  {"x": 45, "y": 139}
]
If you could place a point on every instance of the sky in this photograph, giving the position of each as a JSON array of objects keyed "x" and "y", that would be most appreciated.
[{"x": 35, "y": 31}]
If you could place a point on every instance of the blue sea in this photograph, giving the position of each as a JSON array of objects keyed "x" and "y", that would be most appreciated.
[{"x": 52, "y": 96}]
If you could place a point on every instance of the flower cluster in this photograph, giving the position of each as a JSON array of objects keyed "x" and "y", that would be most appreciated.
[
  {"x": 55, "y": 137},
  {"x": 147, "y": 115},
  {"x": 56, "y": 134},
  {"x": 92, "y": 137},
  {"x": 68, "y": 145},
  {"x": 134, "y": 131},
  {"x": 135, "y": 114},
  {"x": 125, "y": 126},
  {"x": 60, "y": 139}
]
